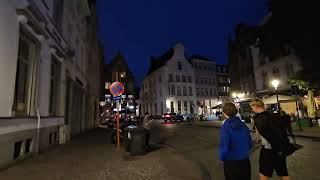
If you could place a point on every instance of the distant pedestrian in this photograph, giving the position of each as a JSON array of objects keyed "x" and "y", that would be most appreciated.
[
  {"x": 275, "y": 145},
  {"x": 286, "y": 124},
  {"x": 146, "y": 124},
  {"x": 235, "y": 145}
]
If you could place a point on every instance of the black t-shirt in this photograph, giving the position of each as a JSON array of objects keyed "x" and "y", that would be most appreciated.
[{"x": 269, "y": 126}]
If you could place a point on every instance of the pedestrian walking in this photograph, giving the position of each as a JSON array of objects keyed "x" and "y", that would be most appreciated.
[
  {"x": 235, "y": 145},
  {"x": 146, "y": 124},
  {"x": 275, "y": 143},
  {"x": 286, "y": 124}
]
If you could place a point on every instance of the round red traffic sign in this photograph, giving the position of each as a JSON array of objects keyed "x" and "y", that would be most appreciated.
[{"x": 117, "y": 89}]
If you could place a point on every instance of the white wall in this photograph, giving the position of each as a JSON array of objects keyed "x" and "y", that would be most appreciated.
[
  {"x": 280, "y": 63},
  {"x": 8, "y": 55},
  {"x": 171, "y": 67}
]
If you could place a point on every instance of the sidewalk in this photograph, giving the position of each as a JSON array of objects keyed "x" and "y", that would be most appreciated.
[
  {"x": 89, "y": 157},
  {"x": 313, "y": 132}
]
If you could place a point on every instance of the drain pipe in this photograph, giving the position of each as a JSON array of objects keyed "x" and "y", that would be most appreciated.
[{"x": 38, "y": 131}]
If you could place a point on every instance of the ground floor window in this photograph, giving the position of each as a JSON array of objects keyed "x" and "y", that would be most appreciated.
[
  {"x": 24, "y": 74},
  {"x": 179, "y": 107},
  {"x": 185, "y": 106},
  {"x": 172, "y": 106},
  {"x": 191, "y": 107}
]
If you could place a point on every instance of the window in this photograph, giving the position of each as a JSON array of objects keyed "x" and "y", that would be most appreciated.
[
  {"x": 211, "y": 93},
  {"x": 290, "y": 70},
  {"x": 189, "y": 79},
  {"x": 202, "y": 93},
  {"x": 173, "y": 90},
  {"x": 169, "y": 92},
  {"x": 28, "y": 145},
  {"x": 191, "y": 107},
  {"x": 184, "y": 91},
  {"x": 198, "y": 92},
  {"x": 57, "y": 13},
  {"x": 155, "y": 108},
  {"x": 185, "y": 106},
  {"x": 264, "y": 76},
  {"x": 172, "y": 106},
  {"x": 54, "y": 86},
  {"x": 24, "y": 69},
  {"x": 207, "y": 92},
  {"x": 179, "y": 107},
  {"x": 17, "y": 149},
  {"x": 184, "y": 79},
  {"x": 179, "y": 65},
  {"x": 190, "y": 91},
  {"x": 170, "y": 78},
  {"x": 276, "y": 72},
  {"x": 177, "y": 78},
  {"x": 178, "y": 91},
  {"x": 206, "y": 81}
]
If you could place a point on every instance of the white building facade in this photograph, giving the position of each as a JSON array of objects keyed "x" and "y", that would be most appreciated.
[
  {"x": 43, "y": 60},
  {"x": 282, "y": 68},
  {"x": 206, "y": 84},
  {"x": 169, "y": 85}
]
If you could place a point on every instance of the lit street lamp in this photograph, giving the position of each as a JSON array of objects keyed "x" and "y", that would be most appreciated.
[{"x": 275, "y": 83}]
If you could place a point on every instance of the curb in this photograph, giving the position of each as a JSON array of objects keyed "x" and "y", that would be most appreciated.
[{"x": 296, "y": 135}]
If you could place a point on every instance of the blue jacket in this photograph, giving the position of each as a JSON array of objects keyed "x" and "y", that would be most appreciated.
[{"x": 235, "y": 140}]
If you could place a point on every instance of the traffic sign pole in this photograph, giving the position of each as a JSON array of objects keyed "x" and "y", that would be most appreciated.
[{"x": 117, "y": 89}]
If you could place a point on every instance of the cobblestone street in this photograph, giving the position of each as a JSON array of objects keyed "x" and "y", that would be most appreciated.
[
  {"x": 88, "y": 157},
  {"x": 200, "y": 144}
]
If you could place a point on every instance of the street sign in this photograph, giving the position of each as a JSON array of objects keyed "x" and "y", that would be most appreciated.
[
  {"x": 116, "y": 98},
  {"x": 117, "y": 89}
]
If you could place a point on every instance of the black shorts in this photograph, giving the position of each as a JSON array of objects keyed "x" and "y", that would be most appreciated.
[
  {"x": 270, "y": 161},
  {"x": 237, "y": 170}
]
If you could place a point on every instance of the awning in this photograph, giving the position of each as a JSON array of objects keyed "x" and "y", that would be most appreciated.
[
  {"x": 217, "y": 106},
  {"x": 282, "y": 99}
]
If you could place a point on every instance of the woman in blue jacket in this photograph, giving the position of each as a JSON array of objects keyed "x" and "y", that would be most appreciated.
[{"x": 235, "y": 145}]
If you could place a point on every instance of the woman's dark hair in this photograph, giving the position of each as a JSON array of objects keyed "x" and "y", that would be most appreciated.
[{"x": 230, "y": 109}]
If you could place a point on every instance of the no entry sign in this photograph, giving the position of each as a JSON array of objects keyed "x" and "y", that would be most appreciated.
[{"x": 117, "y": 89}]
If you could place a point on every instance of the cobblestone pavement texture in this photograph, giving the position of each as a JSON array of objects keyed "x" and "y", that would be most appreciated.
[
  {"x": 200, "y": 144},
  {"x": 89, "y": 157}
]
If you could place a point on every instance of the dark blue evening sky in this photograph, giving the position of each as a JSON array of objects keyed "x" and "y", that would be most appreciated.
[{"x": 143, "y": 28}]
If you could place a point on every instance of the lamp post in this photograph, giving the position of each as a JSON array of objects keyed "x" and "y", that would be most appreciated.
[{"x": 275, "y": 83}]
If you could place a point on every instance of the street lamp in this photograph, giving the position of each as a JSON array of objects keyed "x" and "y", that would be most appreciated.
[{"x": 275, "y": 83}]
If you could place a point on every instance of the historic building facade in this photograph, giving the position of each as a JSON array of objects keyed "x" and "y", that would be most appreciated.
[
  {"x": 44, "y": 76},
  {"x": 118, "y": 70},
  {"x": 205, "y": 83},
  {"x": 223, "y": 82},
  {"x": 240, "y": 60},
  {"x": 169, "y": 85},
  {"x": 182, "y": 85}
]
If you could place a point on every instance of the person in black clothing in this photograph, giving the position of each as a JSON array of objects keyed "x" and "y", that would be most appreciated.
[
  {"x": 286, "y": 124},
  {"x": 272, "y": 156}
]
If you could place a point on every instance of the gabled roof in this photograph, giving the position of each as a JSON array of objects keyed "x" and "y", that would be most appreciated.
[
  {"x": 199, "y": 57},
  {"x": 156, "y": 63}
]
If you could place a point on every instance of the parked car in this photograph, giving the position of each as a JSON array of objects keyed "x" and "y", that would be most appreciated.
[
  {"x": 189, "y": 117},
  {"x": 179, "y": 117},
  {"x": 211, "y": 117},
  {"x": 168, "y": 116}
]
